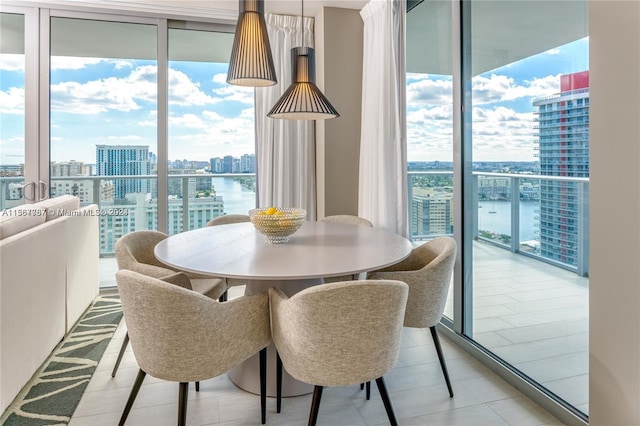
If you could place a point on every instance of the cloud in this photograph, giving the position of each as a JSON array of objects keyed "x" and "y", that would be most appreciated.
[
  {"x": 499, "y": 88},
  {"x": 555, "y": 51},
  {"x": 501, "y": 133},
  {"x": 111, "y": 93},
  {"x": 432, "y": 92},
  {"x": 12, "y": 101},
  {"x": 220, "y": 78},
  {"x": 184, "y": 92},
  {"x": 72, "y": 62},
  {"x": 127, "y": 93},
  {"x": 207, "y": 134},
  {"x": 229, "y": 92},
  {"x": 11, "y": 62}
]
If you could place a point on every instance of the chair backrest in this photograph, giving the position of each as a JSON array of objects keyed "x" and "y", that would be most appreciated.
[
  {"x": 136, "y": 248},
  {"x": 340, "y": 333},
  {"x": 180, "y": 335},
  {"x": 229, "y": 218},
  {"x": 428, "y": 271},
  {"x": 348, "y": 219}
]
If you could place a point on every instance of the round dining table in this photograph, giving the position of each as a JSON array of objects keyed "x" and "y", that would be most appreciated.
[{"x": 316, "y": 251}]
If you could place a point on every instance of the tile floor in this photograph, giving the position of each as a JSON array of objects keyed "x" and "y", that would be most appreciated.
[
  {"x": 535, "y": 316},
  {"x": 416, "y": 387}
]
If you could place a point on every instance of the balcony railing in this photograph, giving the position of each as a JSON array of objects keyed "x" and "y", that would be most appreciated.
[
  {"x": 569, "y": 209},
  {"x": 431, "y": 210},
  {"x": 129, "y": 202}
]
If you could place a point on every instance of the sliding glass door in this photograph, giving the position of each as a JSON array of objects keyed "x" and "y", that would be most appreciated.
[
  {"x": 103, "y": 112},
  {"x": 498, "y": 154},
  {"x": 211, "y": 137},
  {"x": 526, "y": 188}
]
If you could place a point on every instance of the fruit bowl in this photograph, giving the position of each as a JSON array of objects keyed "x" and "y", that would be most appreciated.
[{"x": 277, "y": 223}]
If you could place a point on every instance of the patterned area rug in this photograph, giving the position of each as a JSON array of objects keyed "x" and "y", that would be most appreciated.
[{"x": 53, "y": 394}]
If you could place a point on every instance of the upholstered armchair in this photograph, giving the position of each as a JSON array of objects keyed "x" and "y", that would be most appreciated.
[
  {"x": 134, "y": 252},
  {"x": 182, "y": 336},
  {"x": 338, "y": 334},
  {"x": 229, "y": 218},
  {"x": 348, "y": 220},
  {"x": 427, "y": 271},
  {"x": 224, "y": 220}
]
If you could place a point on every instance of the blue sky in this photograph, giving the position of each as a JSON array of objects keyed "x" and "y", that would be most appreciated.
[{"x": 105, "y": 101}]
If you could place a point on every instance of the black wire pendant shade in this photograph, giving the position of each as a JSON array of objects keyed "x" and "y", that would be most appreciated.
[
  {"x": 251, "y": 62},
  {"x": 303, "y": 100}
]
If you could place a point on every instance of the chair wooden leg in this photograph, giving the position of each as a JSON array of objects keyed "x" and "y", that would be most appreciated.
[
  {"x": 315, "y": 405},
  {"x": 387, "y": 402},
  {"x": 182, "y": 403},
  {"x": 263, "y": 385},
  {"x": 132, "y": 397},
  {"x": 368, "y": 391},
  {"x": 125, "y": 342},
  {"x": 436, "y": 342},
  {"x": 278, "y": 382},
  {"x": 197, "y": 386}
]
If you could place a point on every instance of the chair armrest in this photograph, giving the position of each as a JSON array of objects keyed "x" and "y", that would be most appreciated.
[
  {"x": 152, "y": 270},
  {"x": 180, "y": 279}
]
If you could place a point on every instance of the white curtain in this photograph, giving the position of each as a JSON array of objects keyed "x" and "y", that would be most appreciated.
[
  {"x": 383, "y": 196},
  {"x": 285, "y": 149}
]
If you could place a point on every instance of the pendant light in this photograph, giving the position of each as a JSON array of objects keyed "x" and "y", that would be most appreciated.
[
  {"x": 303, "y": 100},
  {"x": 251, "y": 62}
]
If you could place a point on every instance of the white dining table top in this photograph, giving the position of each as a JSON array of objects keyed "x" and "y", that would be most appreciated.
[{"x": 317, "y": 249}]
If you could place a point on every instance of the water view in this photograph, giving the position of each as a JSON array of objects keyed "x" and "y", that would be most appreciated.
[
  {"x": 238, "y": 199},
  {"x": 495, "y": 216}
]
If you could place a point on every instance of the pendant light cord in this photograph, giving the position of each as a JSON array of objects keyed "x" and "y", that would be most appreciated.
[{"x": 302, "y": 25}]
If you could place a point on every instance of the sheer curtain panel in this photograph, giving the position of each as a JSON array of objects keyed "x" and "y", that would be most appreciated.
[
  {"x": 383, "y": 194},
  {"x": 285, "y": 149}
]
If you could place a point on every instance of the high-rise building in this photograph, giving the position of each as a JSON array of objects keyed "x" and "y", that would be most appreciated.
[
  {"x": 432, "y": 212},
  {"x": 563, "y": 138},
  {"x": 248, "y": 163},
  {"x": 142, "y": 213},
  {"x": 119, "y": 160},
  {"x": 67, "y": 168}
]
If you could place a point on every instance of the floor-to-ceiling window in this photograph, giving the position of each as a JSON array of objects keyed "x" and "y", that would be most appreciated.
[
  {"x": 103, "y": 120},
  {"x": 526, "y": 184},
  {"x": 118, "y": 104},
  {"x": 430, "y": 123},
  {"x": 510, "y": 156},
  {"x": 211, "y": 132}
]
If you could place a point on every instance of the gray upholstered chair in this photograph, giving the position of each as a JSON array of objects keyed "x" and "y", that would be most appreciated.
[
  {"x": 182, "y": 336},
  {"x": 134, "y": 252},
  {"x": 224, "y": 220},
  {"x": 348, "y": 220},
  {"x": 338, "y": 334},
  {"x": 427, "y": 271},
  {"x": 229, "y": 218}
]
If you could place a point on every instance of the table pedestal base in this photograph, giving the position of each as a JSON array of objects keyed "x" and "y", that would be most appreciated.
[{"x": 246, "y": 375}]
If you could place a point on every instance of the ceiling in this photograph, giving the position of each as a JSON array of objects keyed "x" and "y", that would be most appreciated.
[{"x": 502, "y": 31}]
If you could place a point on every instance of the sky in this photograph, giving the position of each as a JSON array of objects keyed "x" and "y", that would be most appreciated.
[{"x": 113, "y": 101}]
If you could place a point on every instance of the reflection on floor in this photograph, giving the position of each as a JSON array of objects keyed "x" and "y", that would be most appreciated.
[{"x": 416, "y": 386}]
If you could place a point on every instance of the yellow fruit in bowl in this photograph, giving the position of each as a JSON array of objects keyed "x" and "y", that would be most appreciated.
[{"x": 271, "y": 210}]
